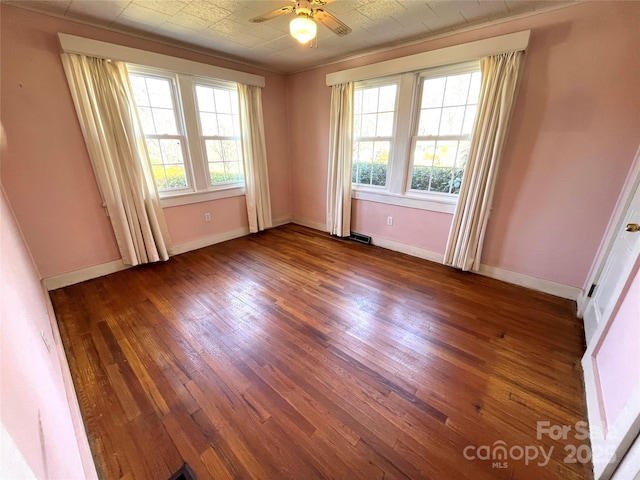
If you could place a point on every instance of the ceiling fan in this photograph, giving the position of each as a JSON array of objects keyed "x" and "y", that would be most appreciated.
[{"x": 303, "y": 28}]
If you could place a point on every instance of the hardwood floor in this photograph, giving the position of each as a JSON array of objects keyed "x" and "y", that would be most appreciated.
[{"x": 289, "y": 354}]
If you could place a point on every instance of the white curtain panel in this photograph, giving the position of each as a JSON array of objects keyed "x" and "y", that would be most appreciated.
[
  {"x": 104, "y": 103},
  {"x": 256, "y": 175},
  {"x": 500, "y": 74},
  {"x": 340, "y": 153}
]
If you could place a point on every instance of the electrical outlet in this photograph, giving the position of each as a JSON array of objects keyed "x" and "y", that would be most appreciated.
[
  {"x": 207, "y": 217},
  {"x": 389, "y": 220}
]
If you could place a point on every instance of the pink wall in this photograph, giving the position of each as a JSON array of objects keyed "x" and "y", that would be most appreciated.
[
  {"x": 46, "y": 169},
  {"x": 573, "y": 137},
  {"x": 186, "y": 220},
  {"x": 618, "y": 357},
  {"x": 35, "y": 411}
]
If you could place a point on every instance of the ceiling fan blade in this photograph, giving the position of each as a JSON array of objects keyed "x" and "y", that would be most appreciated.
[
  {"x": 331, "y": 22},
  {"x": 269, "y": 15}
]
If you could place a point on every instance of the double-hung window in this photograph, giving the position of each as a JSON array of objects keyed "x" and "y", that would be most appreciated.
[
  {"x": 373, "y": 131},
  {"x": 192, "y": 131},
  {"x": 160, "y": 115},
  {"x": 220, "y": 132},
  {"x": 411, "y": 135},
  {"x": 448, "y": 106}
]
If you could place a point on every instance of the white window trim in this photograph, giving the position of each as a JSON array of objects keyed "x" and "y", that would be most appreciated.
[
  {"x": 95, "y": 48},
  {"x": 436, "y": 58}
]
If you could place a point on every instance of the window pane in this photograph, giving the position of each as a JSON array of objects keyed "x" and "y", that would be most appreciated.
[
  {"x": 357, "y": 126},
  {"x": 204, "y": 96},
  {"x": 158, "y": 174},
  {"x": 365, "y": 152},
  {"x": 445, "y": 154},
  {"x": 385, "y": 124},
  {"x": 139, "y": 90},
  {"x": 369, "y": 125},
  {"x": 209, "y": 124},
  {"x": 225, "y": 125},
  {"x": 474, "y": 91},
  {"x": 165, "y": 121},
  {"x": 216, "y": 172},
  {"x": 153, "y": 147},
  {"x": 230, "y": 150},
  {"x": 441, "y": 179},
  {"x": 159, "y": 92},
  {"x": 176, "y": 177},
  {"x": 364, "y": 173},
  {"x": 433, "y": 92},
  {"x": 379, "y": 174},
  {"x": 147, "y": 120},
  {"x": 357, "y": 102},
  {"x": 214, "y": 150},
  {"x": 171, "y": 151},
  {"x": 429, "y": 121},
  {"x": 457, "y": 89},
  {"x": 223, "y": 102},
  {"x": 236, "y": 125},
  {"x": 387, "y": 101},
  {"x": 234, "y": 102},
  {"x": 469, "y": 117},
  {"x": 420, "y": 178},
  {"x": 457, "y": 181},
  {"x": 451, "y": 121},
  {"x": 370, "y": 100},
  {"x": 233, "y": 171},
  {"x": 424, "y": 153},
  {"x": 463, "y": 154}
]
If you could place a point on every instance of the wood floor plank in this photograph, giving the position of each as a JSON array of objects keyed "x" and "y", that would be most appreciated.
[{"x": 291, "y": 354}]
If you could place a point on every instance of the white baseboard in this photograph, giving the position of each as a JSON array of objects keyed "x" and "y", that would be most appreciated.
[
  {"x": 211, "y": 240},
  {"x": 534, "y": 283},
  {"x": 309, "y": 223},
  {"x": 545, "y": 286},
  {"x": 95, "y": 271},
  {"x": 408, "y": 249},
  {"x": 281, "y": 221},
  {"x": 88, "y": 465},
  {"x": 77, "y": 276},
  {"x": 538, "y": 284}
]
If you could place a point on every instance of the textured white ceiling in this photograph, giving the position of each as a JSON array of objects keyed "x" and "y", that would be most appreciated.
[{"x": 223, "y": 25}]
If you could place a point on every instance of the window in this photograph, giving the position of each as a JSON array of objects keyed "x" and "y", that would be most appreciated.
[
  {"x": 373, "y": 126},
  {"x": 220, "y": 132},
  {"x": 441, "y": 143},
  {"x": 192, "y": 130},
  {"x": 156, "y": 101},
  {"x": 411, "y": 136}
]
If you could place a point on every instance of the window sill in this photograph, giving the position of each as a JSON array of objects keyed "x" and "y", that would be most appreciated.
[
  {"x": 197, "y": 197},
  {"x": 433, "y": 203}
]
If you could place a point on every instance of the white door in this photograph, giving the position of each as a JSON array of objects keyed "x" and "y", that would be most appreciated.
[
  {"x": 611, "y": 363},
  {"x": 620, "y": 261}
]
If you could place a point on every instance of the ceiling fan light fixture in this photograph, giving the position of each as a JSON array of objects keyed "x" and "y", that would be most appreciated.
[{"x": 303, "y": 28}]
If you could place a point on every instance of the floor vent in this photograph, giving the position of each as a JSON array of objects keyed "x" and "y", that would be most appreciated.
[{"x": 360, "y": 238}]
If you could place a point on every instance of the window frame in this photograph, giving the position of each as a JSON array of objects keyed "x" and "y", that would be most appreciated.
[
  {"x": 180, "y": 126},
  {"x": 199, "y": 187},
  {"x": 437, "y": 72},
  {"x": 378, "y": 83},
  {"x": 222, "y": 85},
  {"x": 398, "y": 188}
]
